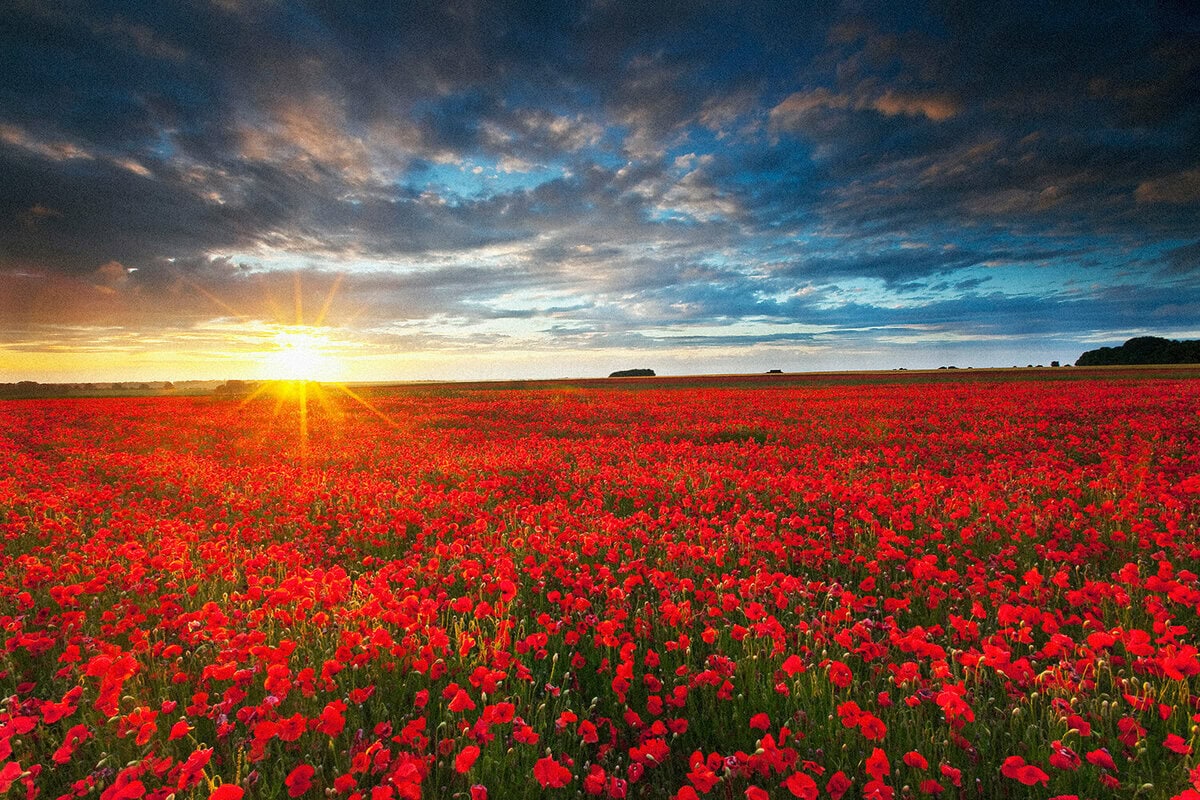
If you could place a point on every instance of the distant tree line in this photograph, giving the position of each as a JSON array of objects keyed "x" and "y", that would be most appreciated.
[
  {"x": 632, "y": 373},
  {"x": 1144, "y": 350},
  {"x": 33, "y": 389}
]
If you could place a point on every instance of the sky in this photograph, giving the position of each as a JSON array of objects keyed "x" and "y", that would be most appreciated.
[{"x": 484, "y": 190}]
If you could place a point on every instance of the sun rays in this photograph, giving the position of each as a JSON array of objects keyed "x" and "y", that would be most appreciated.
[
  {"x": 294, "y": 399},
  {"x": 299, "y": 363}
]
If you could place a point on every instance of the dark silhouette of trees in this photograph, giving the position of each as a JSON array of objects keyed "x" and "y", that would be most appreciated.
[
  {"x": 633, "y": 373},
  {"x": 1143, "y": 350}
]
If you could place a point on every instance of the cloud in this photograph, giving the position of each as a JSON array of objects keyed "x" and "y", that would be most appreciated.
[
  {"x": 938, "y": 108},
  {"x": 111, "y": 275},
  {"x": 37, "y": 214},
  {"x": 723, "y": 113},
  {"x": 50, "y": 149},
  {"x": 308, "y": 134},
  {"x": 794, "y": 111},
  {"x": 1179, "y": 188},
  {"x": 1184, "y": 260},
  {"x": 140, "y": 37},
  {"x": 543, "y": 130}
]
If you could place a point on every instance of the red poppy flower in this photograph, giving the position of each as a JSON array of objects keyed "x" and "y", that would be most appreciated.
[
  {"x": 466, "y": 758},
  {"x": 299, "y": 780},
  {"x": 9, "y": 775},
  {"x": 872, "y": 727},
  {"x": 793, "y": 665},
  {"x": 840, "y": 675},
  {"x": 550, "y": 774},
  {"x": 1016, "y": 768},
  {"x": 878, "y": 765},
  {"x": 461, "y": 701},
  {"x": 1177, "y": 744},
  {"x": 802, "y": 785},
  {"x": 703, "y": 778},
  {"x": 1063, "y": 757},
  {"x": 1102, "y": 759}
]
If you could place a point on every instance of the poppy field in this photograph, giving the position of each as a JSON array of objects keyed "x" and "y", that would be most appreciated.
[{"x": 962, "y": 588}]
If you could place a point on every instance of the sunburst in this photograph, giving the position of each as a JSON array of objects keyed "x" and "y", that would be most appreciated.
[
  {"x": 303, "y": 354},
  {"x": 303, "y": 365}
]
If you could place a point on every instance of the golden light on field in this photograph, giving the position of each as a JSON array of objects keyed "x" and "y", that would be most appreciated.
[{"x": 296, "y": 394}]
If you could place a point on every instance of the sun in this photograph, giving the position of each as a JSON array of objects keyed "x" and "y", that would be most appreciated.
[
  {"x": 301, "y": 354},
  {"x": 301, "y": 362}
]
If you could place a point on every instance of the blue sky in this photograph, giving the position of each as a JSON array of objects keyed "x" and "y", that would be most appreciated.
[{"x": 491, "y": 190}]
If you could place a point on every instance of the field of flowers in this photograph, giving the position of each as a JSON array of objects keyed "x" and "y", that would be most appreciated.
[{"x": 967, "y": 588}]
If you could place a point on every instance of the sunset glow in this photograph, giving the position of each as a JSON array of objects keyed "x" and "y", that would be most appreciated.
[{"x": 301, "y": 355}]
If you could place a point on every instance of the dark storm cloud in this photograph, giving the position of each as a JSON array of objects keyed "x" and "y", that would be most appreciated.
[
  {"x": 99, "y": 209},
  {"x": 604, "y": 165},
  {"x": 1009, "y": 113},
  {"x": 1184, "y": 260}
]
